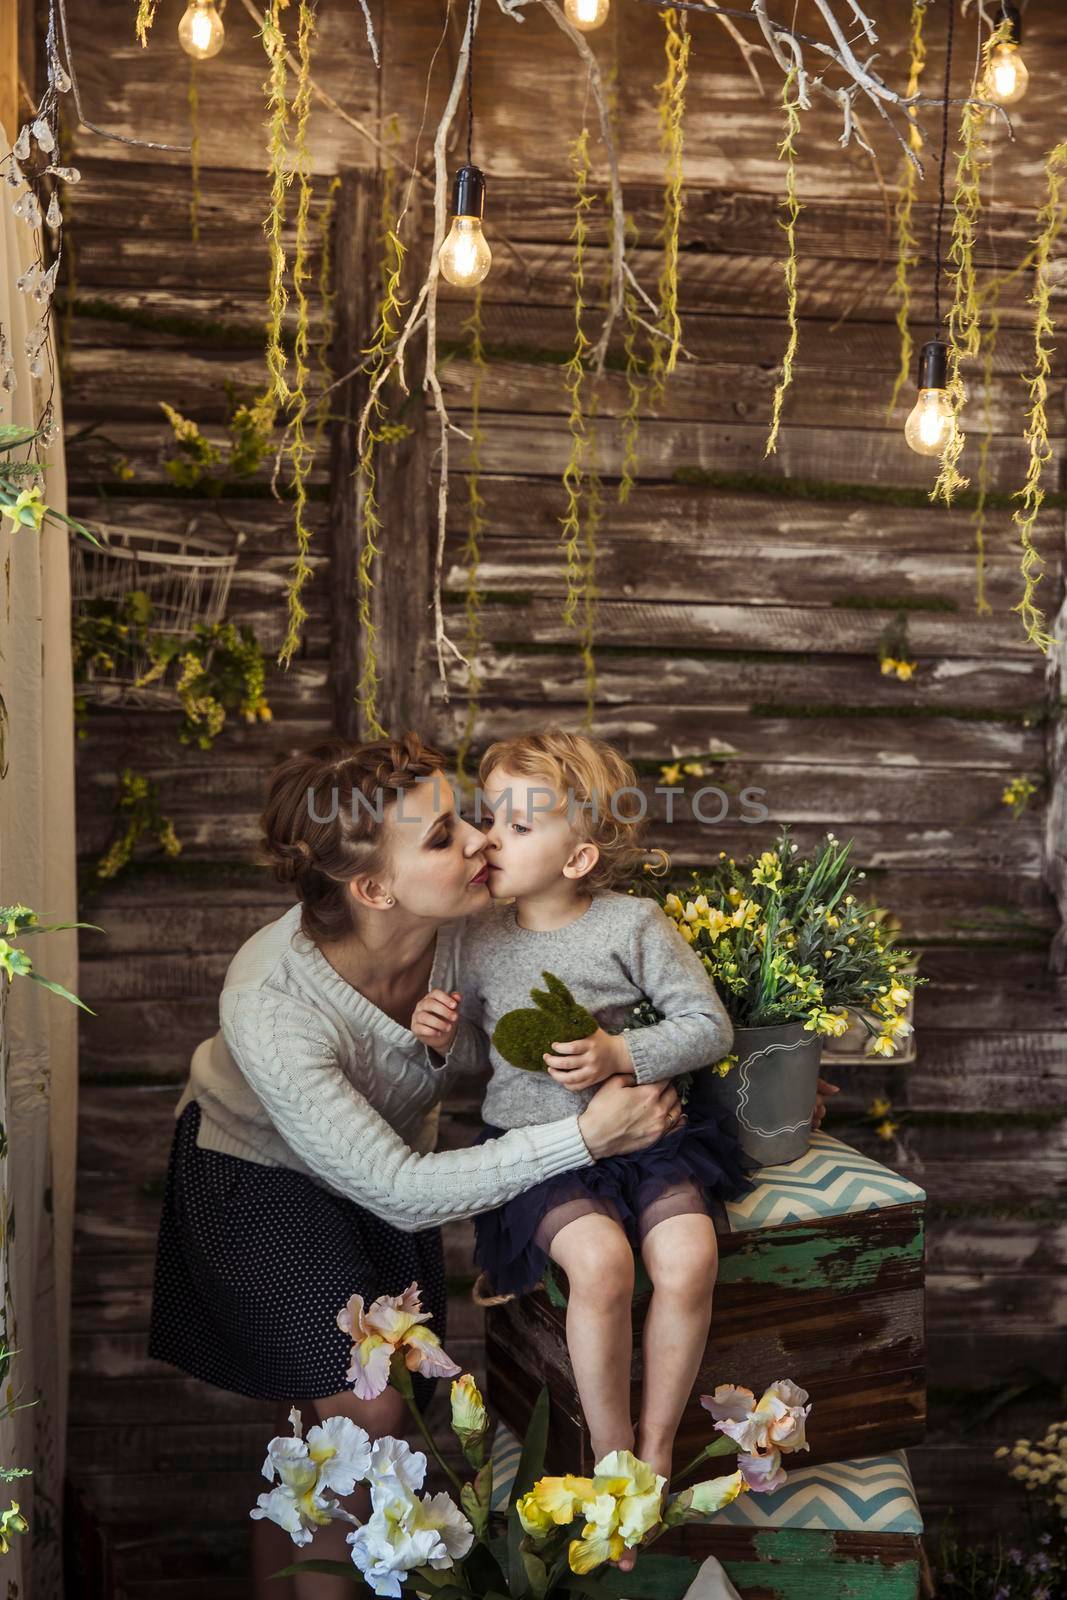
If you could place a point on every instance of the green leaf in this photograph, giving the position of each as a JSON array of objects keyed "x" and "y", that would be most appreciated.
[
  {"x": 65, "y": 994},
  {"x": 13, "y": 434},
  {"x": 531, "y": 1464}
]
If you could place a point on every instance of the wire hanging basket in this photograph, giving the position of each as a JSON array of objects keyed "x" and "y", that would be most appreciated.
[{"x": 186, "y": 578}]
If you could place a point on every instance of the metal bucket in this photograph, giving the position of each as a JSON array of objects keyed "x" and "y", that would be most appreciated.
[{"x": 770, "y": 1094}]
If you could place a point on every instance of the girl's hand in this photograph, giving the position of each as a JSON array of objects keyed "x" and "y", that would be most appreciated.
[
  {"x": 436, "y": 1018},
  {"x": 582, "y": 1063}
]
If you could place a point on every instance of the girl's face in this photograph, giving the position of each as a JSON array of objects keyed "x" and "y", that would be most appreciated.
[
  {"x": 436, "y": 860},
  {"x": 531, "y": 844}
]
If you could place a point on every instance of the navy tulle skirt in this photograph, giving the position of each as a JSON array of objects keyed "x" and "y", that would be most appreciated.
[{"x": 691, "y": 1170}]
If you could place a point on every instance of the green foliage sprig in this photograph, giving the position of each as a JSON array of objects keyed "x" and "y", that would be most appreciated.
[
  {"x": 19, "y": 923},
  {"x": 327, "y": 300},
  {"x": 195, "y": 462},
  {"x": 787, "y": 151},
  {"x": 473, "y": 598},
  {"x": 219, "y": 668},
  {"x": 990, "y": 334},
  {"x": 139, "y": 816},
  {"x": 1032, "y": 494},
  {"x": 299, "y": 447},
  {"x": 579, "y": 552},
  {"x": 671, "y": 112},
  {"x": 631, "y": 417},
  {"x": 22, "y": 499},
  {"x": 907, "y": 241}
]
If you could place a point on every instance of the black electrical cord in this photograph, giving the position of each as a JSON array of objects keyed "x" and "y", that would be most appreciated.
[
  {"x": 944, "y": 160},
  {"x": 470, "y": 80}
]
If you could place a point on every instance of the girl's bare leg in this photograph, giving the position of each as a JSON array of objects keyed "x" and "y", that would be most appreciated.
[
  {"x": 595, "y": 1254},
  {"x": 388, "y": 1414},
  {"x": 682, "y": 1257}
]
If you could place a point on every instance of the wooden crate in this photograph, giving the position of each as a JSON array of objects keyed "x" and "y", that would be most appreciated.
[{"x": 821, "y": 1281}]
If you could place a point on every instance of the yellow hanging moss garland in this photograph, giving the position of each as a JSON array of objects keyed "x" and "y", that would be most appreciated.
[
  {"x": 274, "y": 45},
  {"x": 671, "y": 114},
  {"x": 791, "y": 205},
  {"x": 965, "y": 313},
  {"x": 299, "y": 448},
  {"x": 378, "y": 431},
  {"x": 476, "y": 523},
  {"x": 146, "y": 15},
  {"x": 1050, "y": 222},
  {"x": 907, "y": 242},
  {"x": 578, "y": 558}
]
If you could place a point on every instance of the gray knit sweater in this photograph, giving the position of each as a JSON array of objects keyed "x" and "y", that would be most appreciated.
[
  {"x": 621, "y": 950},
  {"x": 308, "y": 1073}
]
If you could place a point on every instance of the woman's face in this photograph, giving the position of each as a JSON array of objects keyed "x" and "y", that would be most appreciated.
[{"x": 436, "y": 860}]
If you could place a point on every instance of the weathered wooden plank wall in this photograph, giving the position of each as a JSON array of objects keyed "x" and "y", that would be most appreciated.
[{"x": 733, "y": 622}]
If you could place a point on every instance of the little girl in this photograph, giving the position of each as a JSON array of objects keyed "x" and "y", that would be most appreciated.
[{"x": 560, "y": 831}]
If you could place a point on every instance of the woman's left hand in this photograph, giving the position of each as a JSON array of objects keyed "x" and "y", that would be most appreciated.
[
  {"x": 823, "y": 1092},
  {"x": 582, "y": 1063}
]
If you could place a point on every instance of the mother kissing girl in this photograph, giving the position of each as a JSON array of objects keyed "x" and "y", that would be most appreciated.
[{"x": 303, "y": 1168}]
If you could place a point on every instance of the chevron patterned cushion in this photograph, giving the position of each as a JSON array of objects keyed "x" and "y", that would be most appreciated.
[
  {"x": 872, "y": 1495},
  {"x": 830, "y": 1180}
]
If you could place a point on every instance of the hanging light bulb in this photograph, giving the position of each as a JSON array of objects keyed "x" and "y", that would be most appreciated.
[
  {"x": 200, "y": 32},
  {"x": 932, "y": 422},
  {"x": 1007, "y": 78},
  {"x": 587, "y": 14},
  {"x": 465, "y": 256}
]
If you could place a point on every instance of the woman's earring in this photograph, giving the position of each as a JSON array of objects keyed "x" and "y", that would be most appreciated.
[{"x": 389, "y": 900}]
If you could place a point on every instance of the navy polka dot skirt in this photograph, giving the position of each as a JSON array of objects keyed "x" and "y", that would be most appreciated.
[{"x": 255, "y": 1262}]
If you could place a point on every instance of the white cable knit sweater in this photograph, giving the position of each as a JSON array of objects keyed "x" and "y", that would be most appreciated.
[{"x": 308, "y": 1073}]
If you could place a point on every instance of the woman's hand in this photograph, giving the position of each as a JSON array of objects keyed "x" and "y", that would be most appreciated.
[
  {"x": 824, "y": 1090},
  {"x": 436, "y": 1018},
  {"x": 626, "y": 1116},
  {"x": 581, "y": 1063}
]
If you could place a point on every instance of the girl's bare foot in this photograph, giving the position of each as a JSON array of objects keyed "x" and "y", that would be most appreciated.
[{"x": 659, "y": 1459}]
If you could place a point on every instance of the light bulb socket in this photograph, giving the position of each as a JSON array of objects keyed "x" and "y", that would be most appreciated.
[
  {"x": 468, "y": 192},
  {"x": 1010, "y": 13},
  {"x": 933, "y": 364}
]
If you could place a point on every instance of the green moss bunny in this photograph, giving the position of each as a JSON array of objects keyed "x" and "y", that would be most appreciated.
[{"x": 523, "y": 1036}]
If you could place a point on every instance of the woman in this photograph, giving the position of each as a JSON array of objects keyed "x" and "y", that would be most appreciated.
[{"x": 303, "y": 1168}]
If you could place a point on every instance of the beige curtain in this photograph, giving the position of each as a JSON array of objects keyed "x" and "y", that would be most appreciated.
[{"x": 38, "y": 1030}]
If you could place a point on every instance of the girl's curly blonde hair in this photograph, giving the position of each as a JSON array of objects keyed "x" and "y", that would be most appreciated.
[{"x": 600, "y": 788}]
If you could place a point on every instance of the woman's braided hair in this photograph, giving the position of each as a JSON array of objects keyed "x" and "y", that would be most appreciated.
[{"x": 317, "y": 836}]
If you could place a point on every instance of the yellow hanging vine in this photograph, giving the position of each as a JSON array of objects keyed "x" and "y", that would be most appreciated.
[
  {"x": 146, "y": 15},
  {"x": 327, "y": 300},
  {"x": 579, "y": 553},
  {"x": 907, "y": 242},
  {"x": 671, "y": 113},
  {"x": 476, "y": 523},
  {"x": 1050, "y": 221},
  {"x": 274, "y": 45},
  {"x": 378, "y": 431},
  {"x": 787, "y": 151},
  {"x": 978, "y": 519},
  {"x": 299, "y": 448},
  {"x": 965, "y": 313}
]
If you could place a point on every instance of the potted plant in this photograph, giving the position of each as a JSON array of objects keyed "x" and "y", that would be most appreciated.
[{"x": 792, "y": 950}]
